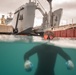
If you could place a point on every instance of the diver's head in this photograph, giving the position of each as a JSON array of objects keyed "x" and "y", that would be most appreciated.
[{"x": 48, "y": 35}]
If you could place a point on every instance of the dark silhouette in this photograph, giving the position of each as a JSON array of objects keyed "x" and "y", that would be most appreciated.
[{"x": 46, "y": 58}]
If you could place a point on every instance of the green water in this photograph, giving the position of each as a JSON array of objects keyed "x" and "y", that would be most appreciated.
[{"x": 12, "y": 62}]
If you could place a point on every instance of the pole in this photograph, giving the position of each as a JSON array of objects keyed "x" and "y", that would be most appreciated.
[
  {"x": 50, "y": 13},
  {"x": 29, "y": 1},
  {"x": 72, "y": 21},
  {"x": 51, "y": 17}
]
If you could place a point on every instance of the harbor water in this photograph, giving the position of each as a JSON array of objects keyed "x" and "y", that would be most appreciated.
[{"x": 13, "y": 48}]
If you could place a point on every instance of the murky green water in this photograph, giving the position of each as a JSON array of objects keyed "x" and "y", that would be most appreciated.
[{"x": 12, "y": 61}]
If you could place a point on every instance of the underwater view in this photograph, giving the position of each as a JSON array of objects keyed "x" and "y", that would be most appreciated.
[{"x": 15, "y": 50}]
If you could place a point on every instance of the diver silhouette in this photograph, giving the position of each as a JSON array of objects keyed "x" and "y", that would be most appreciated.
[{"x": 47, "y": 55}]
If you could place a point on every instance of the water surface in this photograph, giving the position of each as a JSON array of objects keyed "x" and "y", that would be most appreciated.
[{"x": 13, "y": 48}]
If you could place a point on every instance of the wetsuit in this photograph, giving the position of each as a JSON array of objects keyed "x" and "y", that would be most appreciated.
[{"x": 46, "y": 58}]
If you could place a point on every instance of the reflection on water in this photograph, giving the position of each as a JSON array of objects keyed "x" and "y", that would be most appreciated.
[
  {"x": 12, "y": 55},
  {"x": 62, "y": 42}
]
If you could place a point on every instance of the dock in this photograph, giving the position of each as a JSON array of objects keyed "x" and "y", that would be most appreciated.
[{"x": 5, "y": 29}]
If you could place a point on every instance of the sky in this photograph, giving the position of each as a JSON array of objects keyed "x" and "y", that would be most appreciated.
[{"x": 68, "y": 6}]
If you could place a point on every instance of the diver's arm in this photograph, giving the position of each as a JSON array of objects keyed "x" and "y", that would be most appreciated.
[
  {"x": 64, "y": 54},
  {"x": 69, "y": 62},
  {"x": 27, "y": 63},
  {"x": 29, "y": 53}
]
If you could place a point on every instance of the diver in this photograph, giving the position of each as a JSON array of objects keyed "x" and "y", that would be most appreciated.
[{"x": 47, "y": 55}]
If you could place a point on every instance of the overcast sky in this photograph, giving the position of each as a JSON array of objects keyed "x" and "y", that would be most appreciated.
[{"x": 69, "y": 8}]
